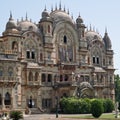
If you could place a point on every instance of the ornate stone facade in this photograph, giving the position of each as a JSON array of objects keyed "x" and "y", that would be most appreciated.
[{"x": 56, "y": 57}]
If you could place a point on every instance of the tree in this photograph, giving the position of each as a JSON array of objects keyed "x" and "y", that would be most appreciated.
[{"x": 117, "y": 88}]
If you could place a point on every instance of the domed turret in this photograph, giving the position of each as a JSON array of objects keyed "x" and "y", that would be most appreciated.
[
  {"x": 11, "y": 24},
  {"x": 79, "y": 20},
  {"x": 107, "y": 41},
  {"x": 46, "y": 16}
]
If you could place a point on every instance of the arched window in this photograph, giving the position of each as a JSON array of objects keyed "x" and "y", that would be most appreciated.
[
  {"x": 14, "y": 46},
  {"x": 48, "y": 28},
  {"x": 0, "y": 99},
  {"x": 65, "y": 39},
  {"x": 41, "y": 57},
  {"x": 49, "y": 77},
  {"x": 10, "y": 71},
  {"x": 61, "y": 78},
  {"x": 1, "y": 71},
  {"x": 36, "y": 76},
  {"x": 66, "y": 78},
  {"x": 43, "y": 77},
  {"x": 7, "y": 99},
  {"x": 30, "y": 76}
]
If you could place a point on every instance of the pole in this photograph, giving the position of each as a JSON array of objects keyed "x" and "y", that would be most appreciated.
[{"x": 56, "y": 107}]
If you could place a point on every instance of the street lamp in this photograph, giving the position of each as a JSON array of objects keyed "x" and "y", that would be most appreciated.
[{"x": 56, "y": 107}]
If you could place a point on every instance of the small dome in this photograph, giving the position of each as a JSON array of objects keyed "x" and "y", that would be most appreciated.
[
  {"x": 27, "y": 25},
  {"x": 91, "y": 35},
  {"x": 79, "y": 20},
  {"x": 11, "y": 24},
  {"x": 45, "y": 14},
  {"x": 59, "y": 15},
  {"x": 107, "y": 41}
]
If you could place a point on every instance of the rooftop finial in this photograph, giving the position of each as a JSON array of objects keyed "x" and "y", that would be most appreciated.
[
  {"x": 72, "y": 16},
  {"x": 68, "y": 12},
  {"x": 26, "y": 16},
  {"x": 56, "y": 7},
  {"x": 45, "y": 8},
  {"x": 64, "y": 8},
  {"x": 60, "y": 6},
  {"x": 10, "y": 16},
  {"x": 90, "y": 27},
  {"x": 79, "y": 14},
  {"x": 105, "y": 29},
  {"x": 51, "y": 8}
]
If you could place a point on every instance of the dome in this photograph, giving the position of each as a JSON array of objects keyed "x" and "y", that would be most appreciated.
[
  {"x": 92, "y": 35},
  {"x": 27, "y": 25},
  {"x": 59, "y": 15},
  {"x": 79, "y": 19},
  {"x": 45, "y": 14},
  {"x": 11, "y": 24}
]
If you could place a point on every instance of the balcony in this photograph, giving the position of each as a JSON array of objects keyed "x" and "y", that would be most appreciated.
[{"x": 8, "y": 80}]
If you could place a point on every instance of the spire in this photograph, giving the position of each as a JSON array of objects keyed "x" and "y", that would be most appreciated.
[
  {"x": 90, "y": 27},
  {"x": 45, "y": 8},
  {"x": 10, "y": 16},
  {"x": 72, "y": 16},
  {"x": 68, "y": 12},
  {"x": 79, "y": 15},
  {"x": 64, "y": 8},
  {"x": 26, "y": 16},
  {"x": 105, "y": 29},
  {"x": 51, "y": 8},
  {"x": 56, "y": 7},
  {"x": 60, "y": 6}
]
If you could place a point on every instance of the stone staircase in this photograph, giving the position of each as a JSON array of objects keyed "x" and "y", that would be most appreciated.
[{"x": 35, "y": 111}]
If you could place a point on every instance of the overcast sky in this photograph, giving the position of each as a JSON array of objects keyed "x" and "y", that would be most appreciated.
[{"x": 99, "y": 13}]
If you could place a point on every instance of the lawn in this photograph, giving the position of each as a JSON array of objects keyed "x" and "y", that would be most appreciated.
[{"x": 109, "y": 116}]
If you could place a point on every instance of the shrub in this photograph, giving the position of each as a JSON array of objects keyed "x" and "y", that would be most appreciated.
[
  {"x": 16, "y": 115},
  {"x": 108, "y": 105},
  {"x": 97, "y": 108}
]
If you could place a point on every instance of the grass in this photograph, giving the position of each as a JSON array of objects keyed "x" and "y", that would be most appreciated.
[{"x": 109, "y": 116}]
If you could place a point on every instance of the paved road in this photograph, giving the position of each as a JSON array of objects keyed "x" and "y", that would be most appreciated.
[{"x": 49, "y": 117}]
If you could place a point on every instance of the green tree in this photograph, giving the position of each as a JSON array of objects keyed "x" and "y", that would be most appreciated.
[
  {"x": 117, "y": 88},
  {"x": 97, "y": 108}
]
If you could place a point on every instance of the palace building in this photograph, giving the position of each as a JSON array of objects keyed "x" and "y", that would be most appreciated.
[{"x": 57, "y": 57}]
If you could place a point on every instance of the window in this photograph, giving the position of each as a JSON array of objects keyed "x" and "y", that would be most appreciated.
[
  {"x": 36, "y": 76},
  {"x": 46, "y": 103},
  {"x": 0, "y": 99},
  {"x": 48, "y": 28},
  {"x": 66, "y": 78},
  {"x": 49, "y": 56},
  {"x": 65, "y": 39},
  {"x": 43, "y": 77},
  {"x": 1, "y": 72},
  {"x": 93, "y": 59},
  {"x": 30, "y": 76},
  {"x": 97, "y": 60},
  {"x": 7, "y": 99},
  {"x": 33, "y": 55},
  {"x": 49, "y": 77},
  {"x": 28, "y": 54},
  {"x": 61, "y": 78},
  {"x": 41, "y": 57}
]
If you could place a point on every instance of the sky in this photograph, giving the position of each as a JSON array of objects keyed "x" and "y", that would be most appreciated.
[{"x": 100, "y": 14}]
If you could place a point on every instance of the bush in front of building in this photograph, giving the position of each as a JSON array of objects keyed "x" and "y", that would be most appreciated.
[
  {"x": 83, "y": 106},
  {"x": 97, "y": 108},
  {"x": 16, "y": 115},
  {"x": 108, "y": 105},
  {"x": 75, "y": 106}
]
